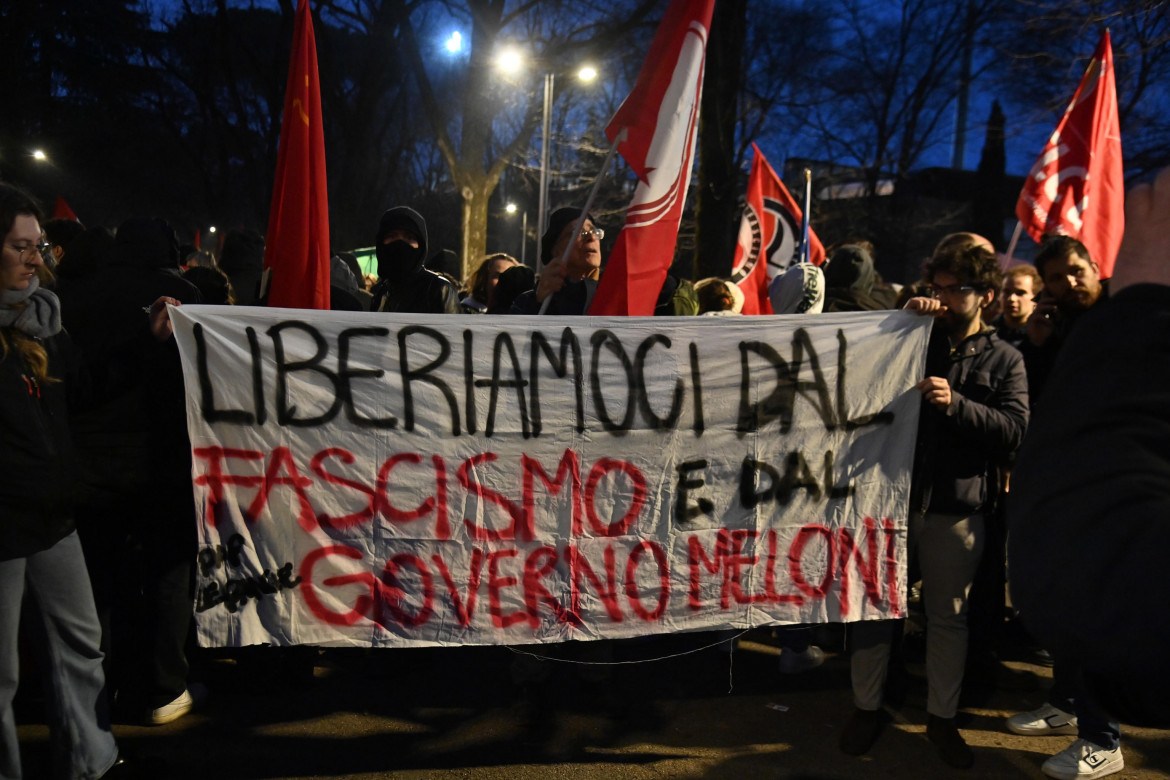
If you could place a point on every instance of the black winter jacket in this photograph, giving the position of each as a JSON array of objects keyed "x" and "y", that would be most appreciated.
[
  {"x": 959, "y": 449},
  {"x": 36, "y": 454}
]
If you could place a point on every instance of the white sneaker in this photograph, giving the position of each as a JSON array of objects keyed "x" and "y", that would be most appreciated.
[
  {"x": 1043, "y": 722},
  {"x": 792, "y": 662},
  {"x": 1082, "y": 760},
  {"x": 186, "y": 700}
]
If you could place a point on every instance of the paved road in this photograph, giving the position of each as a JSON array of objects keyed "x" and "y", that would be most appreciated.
[{"x": 450, "y": 713}]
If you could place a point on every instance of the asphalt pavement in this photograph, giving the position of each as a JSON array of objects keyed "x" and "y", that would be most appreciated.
[{"x": 664, "y": 707}]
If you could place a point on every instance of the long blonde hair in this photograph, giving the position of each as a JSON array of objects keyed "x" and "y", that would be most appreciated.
[{"x": 33, "y": 352}]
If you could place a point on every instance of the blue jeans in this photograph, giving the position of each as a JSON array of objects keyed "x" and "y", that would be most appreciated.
[{"x": 65, "y": 618}]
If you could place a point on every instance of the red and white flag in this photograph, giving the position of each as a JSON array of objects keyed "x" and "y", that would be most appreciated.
[
  {"x": 659, "y": 120},
  {"x": 296, "y": 251},
  {"x": 1077, "y": 186},
  {"x": 769, "y": 236},
  {"x": 61, "y": 210}
]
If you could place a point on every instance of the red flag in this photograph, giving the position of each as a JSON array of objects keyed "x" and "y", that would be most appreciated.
[
  {"x": 61, "y": 210},
  {"x": 1077, "y": 186},
  {"x": 658, "y": 120},
  {"x": 769, "y": 236},
  {"x": 296, "y": 252}
]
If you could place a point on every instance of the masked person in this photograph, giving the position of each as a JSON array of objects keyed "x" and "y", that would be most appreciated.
[{"x": 404, "y": 284}]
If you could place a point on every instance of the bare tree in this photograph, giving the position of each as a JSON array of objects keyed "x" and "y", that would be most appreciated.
[
  {"x": 1046, "y": 45},
  {"x": 471, "y": 121}
]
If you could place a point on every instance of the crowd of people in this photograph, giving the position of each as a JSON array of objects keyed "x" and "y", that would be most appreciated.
[{"x": 100, "y": 526}]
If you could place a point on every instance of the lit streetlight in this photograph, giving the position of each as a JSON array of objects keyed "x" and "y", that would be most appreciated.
[
  {"x": 510, "y": 61},
  {"x": 39, "y": 155},
  {"x": 586, "y": 74},
  {"x": 512, "y": 208}
]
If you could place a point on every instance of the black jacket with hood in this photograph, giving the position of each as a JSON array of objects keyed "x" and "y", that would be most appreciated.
[{"x": 404, "y": 284}]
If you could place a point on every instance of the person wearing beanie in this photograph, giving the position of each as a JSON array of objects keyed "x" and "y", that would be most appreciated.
[
  {"x": 571, "y": 282},
  {"x": 799, "y": 290},
  {"x": 404, "y": 283}
]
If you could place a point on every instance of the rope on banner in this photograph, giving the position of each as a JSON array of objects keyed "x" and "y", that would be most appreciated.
[{"x": 540, "y": 657}]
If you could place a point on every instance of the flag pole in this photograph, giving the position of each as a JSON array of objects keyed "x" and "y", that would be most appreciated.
[
  {"x": 1007, "y": 261},
  {"x": 588, "y": 205},
  {"x": 806, "y": 218}
]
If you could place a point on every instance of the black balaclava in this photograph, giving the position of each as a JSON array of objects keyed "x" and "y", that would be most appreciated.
[
  {"x": 851, "y": 267},
  {"x": 398, "y": 258}
]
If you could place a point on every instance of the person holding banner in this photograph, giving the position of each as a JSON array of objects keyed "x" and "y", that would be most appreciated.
[
  {"x": 975, "y": 409},
  {"x": 40, "y": 553}
]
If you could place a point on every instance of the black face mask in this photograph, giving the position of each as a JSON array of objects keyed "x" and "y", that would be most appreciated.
[{"x": 398, "y": 258}]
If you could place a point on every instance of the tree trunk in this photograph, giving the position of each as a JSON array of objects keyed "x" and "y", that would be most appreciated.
[{"x": 474, "y": 220}]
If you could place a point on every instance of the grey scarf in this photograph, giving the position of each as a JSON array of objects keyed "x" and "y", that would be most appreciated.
[{"x": 40, "y": 317}]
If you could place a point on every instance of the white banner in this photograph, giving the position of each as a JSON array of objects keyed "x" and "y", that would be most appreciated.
[{"x": 390, "y": 480}]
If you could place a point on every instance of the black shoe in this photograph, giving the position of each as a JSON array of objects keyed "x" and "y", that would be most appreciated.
[
  {"x": 860, "y": 732},
  {"x": 951, "y": 747}
]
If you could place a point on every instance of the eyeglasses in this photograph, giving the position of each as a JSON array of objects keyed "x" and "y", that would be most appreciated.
[
  {"x": 596, "y": 232},
  {"x": 951, "y": 290},
  {"x": 42, "y": 249}
]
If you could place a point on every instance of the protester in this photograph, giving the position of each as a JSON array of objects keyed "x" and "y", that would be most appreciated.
[
  {"x": 1072, "y": 289},
  {"x": 361, "y": 284},
  {"x": 718, "y": 297},
  {"x": 571, "y": 283},
  {"x": 88, "y": 252},
  {"x": 214, "y": 285},
  {"x": 483, "y": 283},
  {"x": 975, "y": 408},
  {"x": 850, "y": 278},
  {"x": 404, "y": 283},
  {"x": 136, "y": 516},
  {"x": 1072, "y": 286},
  {"x": 343, "y": 287},
  {"x": 40, "y": 554},
  {"x": 58, "y": 234},
  {"x": 799, "y": 290},
  {"x": 1021, "y": 287},
  {"x": 242, "y": 259},
  {"x": 1090, "y": 505},
  {"x": 512, "y": 282}
]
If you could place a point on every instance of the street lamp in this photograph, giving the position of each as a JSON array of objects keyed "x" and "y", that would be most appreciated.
[
  {"x": 510, "y": 61},
  {"x": 512, "y": 208},
  {"x": 586, "y": 74},
  {"x": 39, "y": 155}
]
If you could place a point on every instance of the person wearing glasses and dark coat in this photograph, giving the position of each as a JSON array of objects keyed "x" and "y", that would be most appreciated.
[
  {"x": 40, "y": 553},
  {"x": 974, "y": 412}
]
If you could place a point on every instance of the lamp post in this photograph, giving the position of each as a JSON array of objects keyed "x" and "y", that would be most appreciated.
[
  {"x": 510, "y": 60},
  {"x": 512, "y": 208},
  {"x": 586, "y": 73}
]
